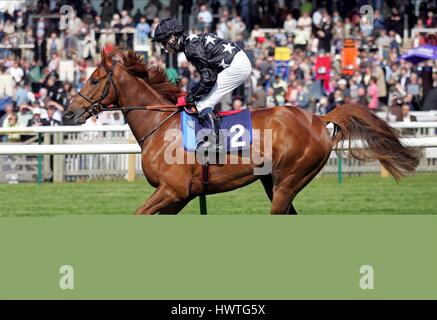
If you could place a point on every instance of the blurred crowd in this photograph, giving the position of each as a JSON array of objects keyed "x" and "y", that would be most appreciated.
[{"x": 42, "y": 67}]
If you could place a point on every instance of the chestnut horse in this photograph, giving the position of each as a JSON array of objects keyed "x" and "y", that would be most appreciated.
[{"x": 301, "y": 143}]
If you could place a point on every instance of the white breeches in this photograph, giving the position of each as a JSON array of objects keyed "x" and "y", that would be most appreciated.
[{"x": 227, "y": 80}]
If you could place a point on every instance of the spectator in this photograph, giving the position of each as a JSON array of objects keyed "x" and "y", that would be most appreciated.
[
  {"x": 155, "y": 22},
  {"x": 89, "y": 45},
  {"x": 65, "y": 94},
  {"x": 292, "y": 92},
  {"x": 44, "y": 101},
  {"x": 257, "y": 36},
  {"x": 237, "y": 104},
  {"x": 383, "y": 43},
  {"x": 345, "y": 92},
  {"x": 11, "y": 122},
  {"x": 303, "y": 96},
  {"x": 70, "y": 45},
  {"x": 290, "y": 24},
  {"x": 362, "y": 97},
  {"x": 405, "y": 116},
  {"x": 40, "y": 50},
  {"x": 89, "y": 14},
  {"x": 301, "y": 38},
  {"x": 259, "y": 97},
  {"x": 396, "y": 21},
  {"x": 37, "y": 120},
  {"x": 36, "y": 77},
  {"x": 430, "y": 20},
  {"x": 378, "y": 21},
  {"x": 372, "y": 91},
  {"x": 237, "y": 28},
  {"x": 323, "y": 105},
  {"x": 151, "y": 10},
  {"x": 54, "y": 45},
  {"x": 336, "y": 99},
  {"x": 22, "y": 94},
  {"x": 53, "y": 66},
  {"x": 413, "y": 86},
  {"x": 24, "y": 114},
  {"x": 53, "y": 116},
  {"x": 143, "y": 30},
  {"x": 270, "y": 99},
  {"x": 379, "y": 74},
  {"x": 53, "y": 89},
  {"x": 8, "y": 110},
  {"x": 280, "y": 87},
  {"x": 396, "y": 107},
  {"x": 16, "y": 72},
  {"x": 40, "y": 27},
  {"x": 204, "y": 19},
  {"x": 76, "y": 23},
  {"x": 305, "y": 22},
  {"x": 223, "y": 29},
  {"x": 107, "y": 11}
]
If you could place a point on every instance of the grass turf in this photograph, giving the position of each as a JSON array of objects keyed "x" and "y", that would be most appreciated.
[{"x": 357, "y": 195}]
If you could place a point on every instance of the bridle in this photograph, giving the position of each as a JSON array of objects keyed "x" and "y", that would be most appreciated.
[{"x": 96, "y": 106}]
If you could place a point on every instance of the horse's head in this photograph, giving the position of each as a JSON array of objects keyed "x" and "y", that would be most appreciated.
[
  {"x": 120, "y": 72},
  {"x": 98, "y": 92}
]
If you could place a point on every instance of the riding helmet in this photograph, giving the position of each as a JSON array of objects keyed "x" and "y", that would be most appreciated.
[{"x": 166, "y": 28}]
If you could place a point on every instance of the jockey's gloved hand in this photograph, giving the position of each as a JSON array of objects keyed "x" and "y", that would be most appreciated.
[{"x": 182, "y": 102}]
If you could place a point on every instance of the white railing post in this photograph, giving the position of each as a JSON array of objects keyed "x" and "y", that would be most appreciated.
[{"x": 58, "y": 160}]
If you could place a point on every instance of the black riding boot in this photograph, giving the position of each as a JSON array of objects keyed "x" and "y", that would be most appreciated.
[{"x": 213, "y": 120}]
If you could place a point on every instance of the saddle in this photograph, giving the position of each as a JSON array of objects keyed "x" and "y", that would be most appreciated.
[{"x": 235, "y": 128}]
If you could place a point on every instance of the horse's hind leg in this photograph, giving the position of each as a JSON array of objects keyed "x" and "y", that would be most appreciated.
[{"x": 288, "y": 187}]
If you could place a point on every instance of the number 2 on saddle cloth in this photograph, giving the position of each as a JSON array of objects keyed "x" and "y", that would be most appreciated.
[{"x": 235, "y": 128}]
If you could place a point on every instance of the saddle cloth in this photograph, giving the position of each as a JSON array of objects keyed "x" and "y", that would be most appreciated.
[{"x": 235, "y": 126}]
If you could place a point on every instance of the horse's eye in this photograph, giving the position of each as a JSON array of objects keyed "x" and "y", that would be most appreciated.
[{"x": 94, "y": 81}]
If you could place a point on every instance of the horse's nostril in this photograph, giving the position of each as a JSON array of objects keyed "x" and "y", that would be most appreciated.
[{"x": 69, "y": 115}]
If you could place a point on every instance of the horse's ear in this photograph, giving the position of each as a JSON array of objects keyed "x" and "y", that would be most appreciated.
[{"x": 104, "y": 55}]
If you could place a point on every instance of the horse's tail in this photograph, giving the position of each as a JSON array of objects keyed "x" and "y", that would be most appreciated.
[{"x": 354, "y": 122}]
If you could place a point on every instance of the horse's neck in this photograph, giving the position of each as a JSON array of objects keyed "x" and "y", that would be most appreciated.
[{"x": 142, "y": 121}]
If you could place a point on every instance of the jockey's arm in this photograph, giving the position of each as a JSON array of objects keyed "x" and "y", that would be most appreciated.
[{"x": 208, "y": 78}]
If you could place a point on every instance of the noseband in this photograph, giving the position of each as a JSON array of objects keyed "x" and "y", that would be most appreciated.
[{"x": 96, "y": 106}]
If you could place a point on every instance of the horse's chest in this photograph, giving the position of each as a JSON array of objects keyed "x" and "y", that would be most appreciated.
[{"x": 151, "y": 171}]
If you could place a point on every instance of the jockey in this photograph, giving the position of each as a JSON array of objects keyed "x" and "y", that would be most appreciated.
[{"x": 222, "y": 66}]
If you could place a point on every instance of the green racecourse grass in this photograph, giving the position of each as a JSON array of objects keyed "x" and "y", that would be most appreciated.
[{"x": 357, "y": 195}]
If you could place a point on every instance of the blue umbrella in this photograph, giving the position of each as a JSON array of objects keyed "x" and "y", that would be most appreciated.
[{"x": 422, "y": 53}]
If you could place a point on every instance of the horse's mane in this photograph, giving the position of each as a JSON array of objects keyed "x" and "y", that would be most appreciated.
[{"x": 154, "y": 76}]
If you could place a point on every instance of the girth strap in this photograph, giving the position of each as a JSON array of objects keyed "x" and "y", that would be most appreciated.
[{"x": 205, "y": 177}]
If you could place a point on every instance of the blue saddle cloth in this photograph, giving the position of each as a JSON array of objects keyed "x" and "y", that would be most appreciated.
[{"x": 235, "y": 126}]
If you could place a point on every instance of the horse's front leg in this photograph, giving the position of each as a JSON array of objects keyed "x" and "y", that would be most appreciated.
[{"x": 161, "y": 199}]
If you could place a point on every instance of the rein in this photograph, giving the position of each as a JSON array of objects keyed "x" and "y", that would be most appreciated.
[
  {"x": 141, "y": 141},
  {"x": 96, "y": 106}
]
